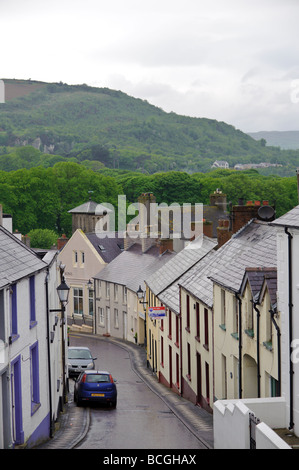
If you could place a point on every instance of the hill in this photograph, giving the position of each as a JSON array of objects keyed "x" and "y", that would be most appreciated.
[
  {"x": 106, "y": 126},
  {"x": 282, "y": 139}
]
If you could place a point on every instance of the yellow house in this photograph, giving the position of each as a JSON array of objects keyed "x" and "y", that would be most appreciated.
[{"x": 244, "y": 357}]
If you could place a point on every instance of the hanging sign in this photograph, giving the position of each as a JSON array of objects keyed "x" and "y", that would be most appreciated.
[{"x": 156, "y": 312}]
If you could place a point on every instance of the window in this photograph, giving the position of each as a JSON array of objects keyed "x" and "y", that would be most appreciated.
[
  {"x": 101, "y": 315},
  {"x": 34, "y": 378},
  {"x": 177, "y": 331},
  {"x": 249, "y": 318},
  {"x": 116, "y": 319},
  {"x": 75, "y": 258},
  {"x": 90, "y": 302},
  {"x": 13, "y": 312},
  {"x": 107, "y": 290},
  {"x": 115, "y": 292},
  {"x": 206, "y": 317},
  {"x": 207, "y": 382},
  {"x": 188, "y": 313},
  {"x": 32, "y": 301},
  {"x": 162, "y": 351},
  {"x": 197, "y": 321},
  {"x": 189, "y": 361},
  {"x": 235, "y": 317},
  {"x": 124, "y": 295},
  {"x": 169, "y": 324},
  {"x": 78, "y": 300},
  {"x": 82, "y": 258},
  {"x": 177, "y": 361}
]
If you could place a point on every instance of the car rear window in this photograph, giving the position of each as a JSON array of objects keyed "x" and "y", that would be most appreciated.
[
  {"x": 96, "y": 378},
  {"x": 79, "y": 354}
]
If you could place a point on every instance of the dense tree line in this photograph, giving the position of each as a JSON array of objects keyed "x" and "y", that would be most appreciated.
[{"x": 40, "y": 198}]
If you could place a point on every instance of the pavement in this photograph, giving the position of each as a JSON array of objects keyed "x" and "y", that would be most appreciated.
[{"x": 74, "y": 421}]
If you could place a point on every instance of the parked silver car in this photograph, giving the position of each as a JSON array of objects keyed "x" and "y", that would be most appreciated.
[{"x": 79, "y": 359}]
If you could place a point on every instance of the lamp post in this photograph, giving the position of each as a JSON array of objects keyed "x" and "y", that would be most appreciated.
[
  {"x": 141, "y": 296},
  {"x": 63, "y": 294}
]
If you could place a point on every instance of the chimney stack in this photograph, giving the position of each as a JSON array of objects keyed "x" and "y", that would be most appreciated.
[{"x": 62, "y": 241}]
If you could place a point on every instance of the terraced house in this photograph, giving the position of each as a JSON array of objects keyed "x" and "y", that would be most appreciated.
[{"x": 32, "y": 378}]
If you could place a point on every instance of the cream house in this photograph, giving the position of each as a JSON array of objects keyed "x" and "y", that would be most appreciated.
[
  {"x": 235, "y": 325},
  {"x": 165, "y": 344},
  {"x": 84, "y": 256}
]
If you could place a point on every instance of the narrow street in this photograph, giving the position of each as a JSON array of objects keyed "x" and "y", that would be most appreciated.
[{"x": 141, "y": 420}]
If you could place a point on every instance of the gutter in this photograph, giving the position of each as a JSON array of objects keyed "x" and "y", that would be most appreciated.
[
  {"x": 290, "y": 278},
  {"x": 272, "y": 312},
  {"x": 240, "y": 344},
  {"x": 258, "y": 349}
]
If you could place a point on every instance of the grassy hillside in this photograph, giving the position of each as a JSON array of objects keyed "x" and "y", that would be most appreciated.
[{"x": 109, "y": 127}]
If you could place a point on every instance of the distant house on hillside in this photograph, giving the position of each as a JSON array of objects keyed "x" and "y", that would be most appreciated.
[{"x": 220, "y": 164}]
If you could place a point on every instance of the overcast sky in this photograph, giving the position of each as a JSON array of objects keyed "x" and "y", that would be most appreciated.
[{"x": 231, "y": 60}]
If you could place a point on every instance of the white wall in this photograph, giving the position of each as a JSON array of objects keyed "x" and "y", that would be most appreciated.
[{"x": 231, "y": 423}]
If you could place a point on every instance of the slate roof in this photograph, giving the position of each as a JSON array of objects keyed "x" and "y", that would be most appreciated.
[
  {"x": 290, "y": 219},
  {"x": 179, "y": 265},
  {"x": 256, "y": 278},
  {"x": 253, "y": 245},
  {"x": 109, "y": 247},
  {"x": 131, "y": 266},
  {"x": 90, "y": 207},
  {"x": 16, "y": 259}
]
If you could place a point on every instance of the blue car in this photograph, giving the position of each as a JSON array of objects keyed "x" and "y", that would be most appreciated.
[{"x": 95, "y": 386}]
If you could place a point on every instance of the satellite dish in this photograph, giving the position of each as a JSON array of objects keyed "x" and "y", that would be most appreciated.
[{"x": 266, "y": 213}]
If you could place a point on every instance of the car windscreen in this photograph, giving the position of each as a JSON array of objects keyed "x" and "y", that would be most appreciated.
[
  {"x": 97, "y": 378},
  {"x": 79, "y": 354}
]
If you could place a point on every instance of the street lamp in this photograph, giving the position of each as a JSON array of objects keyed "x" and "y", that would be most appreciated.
[
  {"x": 63, "y": 291},
  {"x": 141, "y": 295},
  {"x": 63, "y": 294}
]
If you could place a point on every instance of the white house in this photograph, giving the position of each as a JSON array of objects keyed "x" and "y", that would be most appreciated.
[{"x": 31, "y": 375}]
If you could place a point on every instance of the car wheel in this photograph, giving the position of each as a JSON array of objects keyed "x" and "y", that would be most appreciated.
[{"x": 113, "y": 403}]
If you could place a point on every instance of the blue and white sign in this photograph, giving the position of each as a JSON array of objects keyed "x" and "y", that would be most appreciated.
[{"x": 156, "y": 312}]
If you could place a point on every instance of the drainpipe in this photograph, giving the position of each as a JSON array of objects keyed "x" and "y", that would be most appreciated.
[
  {"x": 49, "y": 355},
  {"x": 258, "y": 349},
  {"x": 272, "y": 312},
  {"x": 291, "y": 425},
  {"x": 240, "y": 345}
]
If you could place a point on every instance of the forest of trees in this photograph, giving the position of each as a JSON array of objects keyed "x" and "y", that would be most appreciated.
[{"x": 40, "y": 198}]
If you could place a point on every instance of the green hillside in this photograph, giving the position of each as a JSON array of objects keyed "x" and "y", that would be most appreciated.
[{"x": 100, "y": 125}]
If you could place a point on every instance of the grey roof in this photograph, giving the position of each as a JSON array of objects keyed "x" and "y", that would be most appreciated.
[
  {"x": 256, "y": 277},
  {"x": 16, "y": 259},
  {"x": 253, "y": 245},
  {"x": 179, "y": 265},
  {"x": 290, "y": 219},
  {"x": 109, "y": 246},
  {"x": 90, "y": 207},
  {"x": 130, "y": 267}
]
